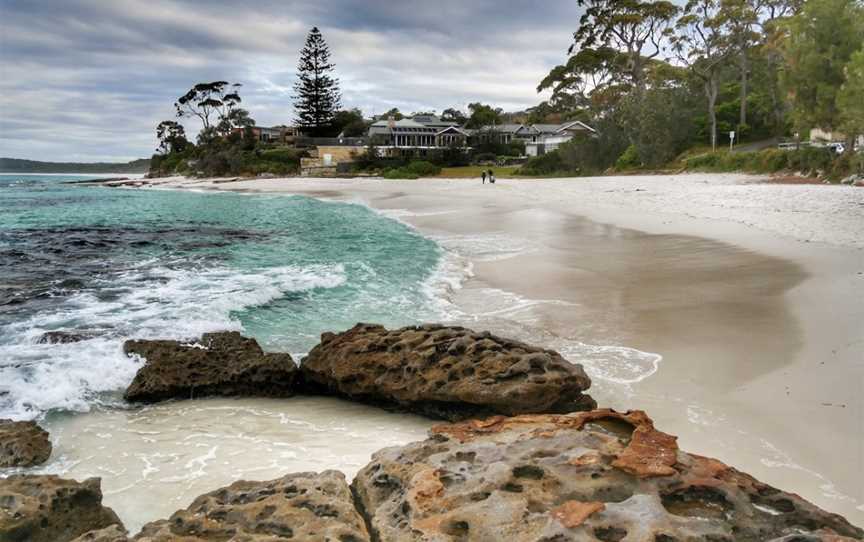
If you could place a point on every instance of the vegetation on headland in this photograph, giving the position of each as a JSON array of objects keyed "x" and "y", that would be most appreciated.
[
  {"x": 655, "y": 80},
  {"x": 658, "y": 80},
  {"x": 16, "y": 165}
]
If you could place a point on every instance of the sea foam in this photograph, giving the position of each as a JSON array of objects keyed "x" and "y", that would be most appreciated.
[{"x": 150, "y": 302}]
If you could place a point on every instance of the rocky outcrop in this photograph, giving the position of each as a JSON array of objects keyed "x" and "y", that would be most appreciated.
[
  {"x": 445, "y": 372},
  {"x": 51, "y": 509},
  {"x": 23, "y": 444},
  {"x": 113, "y": 533},
  {"x": 223, "y": 364},
  {"x": 587, "y": 476},
  {"x": 304, "y": 506}
]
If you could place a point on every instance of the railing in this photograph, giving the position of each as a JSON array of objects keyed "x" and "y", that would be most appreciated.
[{"x": 305, "y": 141}]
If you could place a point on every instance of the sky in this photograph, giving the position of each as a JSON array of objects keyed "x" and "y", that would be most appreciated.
[{"x": 88, "y": 80}]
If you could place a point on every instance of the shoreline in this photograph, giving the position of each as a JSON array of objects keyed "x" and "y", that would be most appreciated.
[{"x": 758, "y": 330}]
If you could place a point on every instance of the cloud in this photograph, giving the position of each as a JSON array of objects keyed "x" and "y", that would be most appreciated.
[{"x": 89, "y": 80}]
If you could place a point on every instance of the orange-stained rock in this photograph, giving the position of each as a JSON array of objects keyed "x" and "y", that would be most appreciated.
[
  {"x": 650, "y": 453},
  {"x": 573, "y": 513},
  {"x": 581, "y": 477}
]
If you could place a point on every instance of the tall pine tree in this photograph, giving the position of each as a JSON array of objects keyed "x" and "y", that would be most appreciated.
[{"x": 317, "y": 95}]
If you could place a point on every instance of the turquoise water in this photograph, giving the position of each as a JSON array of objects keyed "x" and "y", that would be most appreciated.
[{"x": 112, "y": 264}]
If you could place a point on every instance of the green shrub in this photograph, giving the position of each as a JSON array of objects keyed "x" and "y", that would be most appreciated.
[
  {"x": 629, "y": 159},
  {"x": 399, "y": 173},
  {"x": 290, "y": 157},
  {"x": 545, "y": 164},
  {"x": 421, "y": 168}
]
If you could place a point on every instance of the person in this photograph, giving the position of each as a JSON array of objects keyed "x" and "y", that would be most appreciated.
[
  {"x": 491, "y": 177},
  {"x": 483, "y": 175}
]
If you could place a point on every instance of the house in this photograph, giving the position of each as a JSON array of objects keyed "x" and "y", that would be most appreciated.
[
  {"x": 548, "y": 137},
  {"x": 416, "y": 135},
  {"x": 538, "y": 138},
  {"x": 273, "y": 134}
]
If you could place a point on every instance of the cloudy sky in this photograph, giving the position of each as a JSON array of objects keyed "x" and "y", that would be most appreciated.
[{"x": 88, "y": 80}]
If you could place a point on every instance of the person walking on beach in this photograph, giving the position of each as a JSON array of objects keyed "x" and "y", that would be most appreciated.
[
  {"x": 483, "y": 176},
  {"x": 491, "y": 177}
]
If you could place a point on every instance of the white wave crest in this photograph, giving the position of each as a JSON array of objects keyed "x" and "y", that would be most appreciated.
[{"x": 153, "y": 302}]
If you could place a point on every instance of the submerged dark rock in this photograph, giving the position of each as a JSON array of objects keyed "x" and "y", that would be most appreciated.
[
  {"x": 445, "y": 372},
  {"x": 223, "y": 364},
  {"x": 303, "y": 506},
  {"x": 587, "y": 476},
  {"x": 51, "y": 509},
  {"x": 23, "y": 444},
  {"x": 63, "y": 337}
]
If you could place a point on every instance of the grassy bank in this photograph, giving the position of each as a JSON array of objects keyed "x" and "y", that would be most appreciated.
[{"x": 819, "y": 162}]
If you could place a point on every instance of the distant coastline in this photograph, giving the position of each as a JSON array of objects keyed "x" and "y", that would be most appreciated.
[{"x": 16, "y": 165}]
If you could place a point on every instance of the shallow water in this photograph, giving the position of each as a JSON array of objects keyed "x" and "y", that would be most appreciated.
[
  {"x": 157, "y": 459},
  {"x": 115, "y": 264}
]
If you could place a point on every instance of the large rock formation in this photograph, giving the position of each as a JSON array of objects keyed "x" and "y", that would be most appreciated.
[
  {"x": 304, "y": 506},
  {"x": 446, "y": 372},
  {"x": 588, "y": 476},
  {"x": 23, "y": 444},
  {"x": 223, "y": 364},
  {"x": 51, "y": 509}
]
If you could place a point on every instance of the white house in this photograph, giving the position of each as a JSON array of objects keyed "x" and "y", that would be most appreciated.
[{"x": 548, "y": 137}]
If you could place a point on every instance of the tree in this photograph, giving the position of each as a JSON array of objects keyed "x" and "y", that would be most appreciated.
[
  {"x": 483, "y": 115},
  {"x": 820, "y": 43},
  {"x": 454, "y": 115},
  {"x": 317, "y": 96},
  {"x": 588, "y": 73},
  {"x": 208, "y": 100},
  {"x": 850, "y": 99},
  {"x": 632, "y": 28},
  {"x": 171, "y": 136},
  {"x": 701, "y": 43},
  {"x": 236, "y": 118},
  {"x": 349, "y": 122},
  {"x": 393, "y": 112}
]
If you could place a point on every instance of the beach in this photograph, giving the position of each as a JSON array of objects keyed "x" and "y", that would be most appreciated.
[{"x": 729, "y": 308}]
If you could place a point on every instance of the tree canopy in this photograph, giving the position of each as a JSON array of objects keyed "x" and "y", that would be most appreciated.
[
  {"x": 209, "y": 102},
  {"x": 317, "y": 96}
]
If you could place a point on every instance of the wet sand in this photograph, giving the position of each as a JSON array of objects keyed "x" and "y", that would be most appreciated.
[{"x": 756, "y": 307}]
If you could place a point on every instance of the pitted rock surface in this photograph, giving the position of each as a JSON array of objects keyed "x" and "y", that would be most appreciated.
[
  {"x": 445, "y": 372},
  {"x": 47, "y": 508},
  {"x": 114, "y": 533},
  {"x": 586, "y": 476},
  {"x": 303, "y": 506},
  {"x": 23, "y": 444},
  {"x": 225, "y": 364}
]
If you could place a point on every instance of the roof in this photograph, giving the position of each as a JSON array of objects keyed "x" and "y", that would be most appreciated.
[{"x": 422, "y": 124}]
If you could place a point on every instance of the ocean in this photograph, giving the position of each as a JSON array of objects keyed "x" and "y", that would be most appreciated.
[{"x": 115, "y": 264}]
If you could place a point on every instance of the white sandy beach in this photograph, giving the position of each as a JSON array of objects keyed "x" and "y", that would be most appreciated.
[{"x": 731, "y": 310}]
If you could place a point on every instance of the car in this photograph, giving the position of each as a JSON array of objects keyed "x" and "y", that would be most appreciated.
[{"x": 838, "y": 148}]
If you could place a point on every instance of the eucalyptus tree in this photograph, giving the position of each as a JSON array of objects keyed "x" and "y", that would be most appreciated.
[
  {"x": 317, "y": 97},
  {"x": 633, "y": 29},
  {"x": 700, "y": 41},
  {"x": 851, "y": 97},
  {"x": 171, "y": 136},
  {"x": 821, "y": 40},
  {"x": 209, "y": 102}
]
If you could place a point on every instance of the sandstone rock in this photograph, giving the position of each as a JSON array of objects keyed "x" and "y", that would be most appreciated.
[
  {"x": 113, "y": 533},
  {"x": 304, "y": 506},
  {"x": 23, "y": 444},
  {"x": 446, "y": 372},
  {"x": 223, "y": 364},
  {"x": 587, "y": 476},
  {"x": 41, "y": 508}
]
